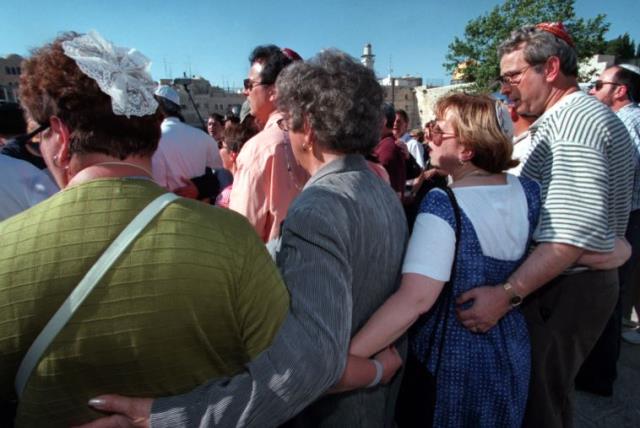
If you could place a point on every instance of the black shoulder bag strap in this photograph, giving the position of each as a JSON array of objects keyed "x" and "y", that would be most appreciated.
[{"x": 446, "y": 295}]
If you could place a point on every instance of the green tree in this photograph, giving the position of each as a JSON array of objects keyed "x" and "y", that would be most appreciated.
[
  {"x": 478, "y": 47},
  {"x": 623, "y": 47}
]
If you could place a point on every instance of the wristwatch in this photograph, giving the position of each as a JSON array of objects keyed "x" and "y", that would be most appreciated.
[{"x": 515, "y": 299}]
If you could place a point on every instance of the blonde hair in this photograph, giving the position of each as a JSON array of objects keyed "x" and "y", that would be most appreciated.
[{"x": 476, "y": 124}]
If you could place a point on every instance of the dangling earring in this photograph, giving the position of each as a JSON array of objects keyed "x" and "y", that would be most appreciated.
[{"x": 56, "y": 163}]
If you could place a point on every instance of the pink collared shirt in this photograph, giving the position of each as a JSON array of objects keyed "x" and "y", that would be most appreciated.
[{"x": 267, "y": 179}]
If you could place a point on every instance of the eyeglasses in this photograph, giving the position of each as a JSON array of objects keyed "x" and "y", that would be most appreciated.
[
  {"x": 438, "y": 135},
  {"x": 513, "y": 78},
  {"x": 249, "y": 84},
  {"x": 283, "y": 124},
  {"x": 30, "y": 139},
  {"x": 598, "y": 84}
]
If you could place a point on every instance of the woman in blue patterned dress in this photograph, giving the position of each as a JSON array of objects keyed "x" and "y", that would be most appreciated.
[{"x": 482, "y": 378}]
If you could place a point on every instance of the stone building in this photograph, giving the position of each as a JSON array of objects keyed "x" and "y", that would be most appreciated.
[
  {"x": 9, "y": 78},
  {"x": 401, "y": 92},
  {"x": 209, "y": 99},
  {"x": 426, "y": 98}
]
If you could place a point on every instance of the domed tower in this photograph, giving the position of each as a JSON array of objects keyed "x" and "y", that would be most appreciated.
[{"x": 367, "y": 57}]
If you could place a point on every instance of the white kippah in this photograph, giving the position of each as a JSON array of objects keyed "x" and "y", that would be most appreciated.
[{"x": 632, "y": 68}]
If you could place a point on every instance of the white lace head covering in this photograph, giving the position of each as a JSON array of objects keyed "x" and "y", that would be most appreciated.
[{"x": 121, "y": 73}]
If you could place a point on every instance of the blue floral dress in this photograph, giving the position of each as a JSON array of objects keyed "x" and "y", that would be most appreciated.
[{"x": 482, "y": 379}]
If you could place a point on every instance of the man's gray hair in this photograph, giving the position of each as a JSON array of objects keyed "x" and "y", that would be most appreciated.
[
  {"x": 340, "y": 98},
  {"x": 540, "y": 45}
]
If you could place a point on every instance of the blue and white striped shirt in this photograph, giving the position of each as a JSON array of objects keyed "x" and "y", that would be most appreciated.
[
  {"x": 582, "y": 157},
  {"x": 630, "y": 116}
]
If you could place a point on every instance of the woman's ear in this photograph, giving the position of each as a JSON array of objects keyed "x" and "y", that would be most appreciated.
[
  {"x": 62, "y": 137},
  {"x": 467, "y": 154}
]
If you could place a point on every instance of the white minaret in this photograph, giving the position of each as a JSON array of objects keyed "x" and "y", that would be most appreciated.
[{"x": 367, "y": 57}]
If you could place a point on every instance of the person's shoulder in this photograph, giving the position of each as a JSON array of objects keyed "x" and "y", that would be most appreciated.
[
  {"x": 26, "y": 219},
  {"x": 630, "y": 116},
  {"x": 271, "y": 137},
  {"x": 319, "y": 203},
  {"x": 524, "y": 181},
  {"x": 583, "y": 120},
  {"x": 586, "y": 111},
  {"x": 10, "y": 163},
  {"x": 387, "y": 141},
  {"x": 220, "y": 226},
  {"x": 262, "y": 146},
  {"x": 210, "y": 216},
  {"x": 437, "y": 203},
  {"x": 194, "y": 132}
]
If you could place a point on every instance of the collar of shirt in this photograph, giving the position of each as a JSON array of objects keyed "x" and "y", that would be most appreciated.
[
  {"x": 628, "y": 109},
  {"x": 563, "y": 101},
  {"x": 520, "y": 137},
  {"x": 273, "y": 119},
  {"x": 348, "y": 162}
]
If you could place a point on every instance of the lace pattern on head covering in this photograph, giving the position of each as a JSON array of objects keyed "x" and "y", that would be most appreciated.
[{"x": 121, "y": 73}]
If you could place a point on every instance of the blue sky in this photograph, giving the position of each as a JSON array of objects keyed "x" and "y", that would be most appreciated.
[{"x": 213, "y": 38}]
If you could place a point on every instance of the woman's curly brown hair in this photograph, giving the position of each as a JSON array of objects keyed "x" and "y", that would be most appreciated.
[{"x": 51, "y": 84}]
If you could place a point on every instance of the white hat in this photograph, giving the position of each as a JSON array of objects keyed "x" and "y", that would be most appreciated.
[
  {"x": 632, "y": 68},
  {"x": 168, "y": 93}
]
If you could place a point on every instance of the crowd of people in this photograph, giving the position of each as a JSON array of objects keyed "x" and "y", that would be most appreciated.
[{"x": 312, "y": 262}]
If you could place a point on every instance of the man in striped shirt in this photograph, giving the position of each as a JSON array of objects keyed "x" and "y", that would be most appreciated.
[{"x": 582, "y": 158}]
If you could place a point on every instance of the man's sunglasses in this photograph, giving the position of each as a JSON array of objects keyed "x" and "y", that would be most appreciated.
[
  {"x": 598, "y": 84},
  {"x": 249, "y": 84}
]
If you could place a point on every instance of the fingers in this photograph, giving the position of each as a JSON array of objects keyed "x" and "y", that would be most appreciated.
[
  {"x": 110, "y": 403},
  {"x": 465, "y": 297},
  {"x": 113, "y": 421},
  {"x": 137, "y": 410}
]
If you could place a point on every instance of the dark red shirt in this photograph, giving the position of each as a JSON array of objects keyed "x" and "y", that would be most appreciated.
[{"x": 391, "y": 157}]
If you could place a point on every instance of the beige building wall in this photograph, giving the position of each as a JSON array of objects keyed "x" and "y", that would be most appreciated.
[
  {"x": 9, "y": 77},
  {"x": 404, "y": 98},
  {"x": 426, "y": 99},
  {"x": 209, "y": 99}
]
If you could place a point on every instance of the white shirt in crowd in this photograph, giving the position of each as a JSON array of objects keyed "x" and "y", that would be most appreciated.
[
  {"x": 183, "y": 152},
  {"x": 521, "y": 151},
  {"x": 415, "y": 148}
]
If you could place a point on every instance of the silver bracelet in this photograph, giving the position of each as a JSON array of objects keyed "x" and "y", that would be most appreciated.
[{"x": 379, "y": 372}]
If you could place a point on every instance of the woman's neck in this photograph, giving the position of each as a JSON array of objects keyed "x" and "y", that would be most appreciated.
[
  {"x": 469, "y": 175},
  {"x": 93, "y": 166}
]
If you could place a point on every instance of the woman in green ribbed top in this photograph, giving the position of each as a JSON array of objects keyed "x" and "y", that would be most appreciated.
[{"x": 195, "y": 297}]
